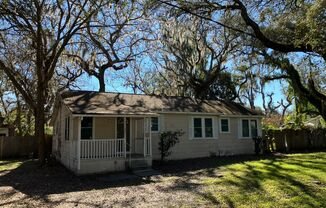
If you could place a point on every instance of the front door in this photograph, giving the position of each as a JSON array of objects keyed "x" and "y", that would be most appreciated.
[{"x": 121, "y": 129}]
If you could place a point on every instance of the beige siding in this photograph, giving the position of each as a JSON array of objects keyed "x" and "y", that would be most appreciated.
[
  {"x": 221, "y": 144},
  {"x": 104, "y": 128},
  {"x": 188, "y": 147}
]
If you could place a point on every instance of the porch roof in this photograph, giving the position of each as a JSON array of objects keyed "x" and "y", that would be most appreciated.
[{"x": 89, "y": 102}]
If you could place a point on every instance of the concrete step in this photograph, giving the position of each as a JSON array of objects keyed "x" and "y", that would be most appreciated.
[
  {"x": 146, "y": 172},
  {"x": 134, "y": 164}
]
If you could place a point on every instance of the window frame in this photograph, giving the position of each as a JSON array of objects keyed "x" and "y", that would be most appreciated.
[
  {"x": 225, "y": 132},
  {"x": 250, "y": 130},
  {"x": 92, "y": 127},
  {"x": 203, "y": 128},
  {"x": 256, "y": 123},
  {"x": 158, "y": 124},
  {"x": 67, "y": 128}
]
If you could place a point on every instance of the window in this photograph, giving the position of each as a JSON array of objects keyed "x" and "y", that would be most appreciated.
[
  {"x": 245, "y": 128},
  {"x": 202, "y": 127},
  {"x": 254, "y": 129},
  {"x": 67, "y": 127},
  {"x": 197, "y": 128},
  {"x": 155, "y": 125},
  {"x": 120, "y": 128},
  {"x": 225, "y": 125},
  {"x": 86, "y": 128},
  {"x": 249, "y": 128},
  {"x": 208, "y": 127}
]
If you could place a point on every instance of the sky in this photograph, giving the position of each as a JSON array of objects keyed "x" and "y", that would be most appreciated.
[{"x": 91, "y": 83}]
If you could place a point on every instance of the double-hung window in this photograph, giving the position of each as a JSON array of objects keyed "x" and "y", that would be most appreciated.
[
  {"x": 225, "y": 125},
  {"x": 154, "y": 124},
  {"x": 249, "y": 128},
  {"x": 86, "y": 128},
  {"x": 67, "y": 127},
  {"x": 202, "y": 128},
  {"x": 254, "y": 128}
]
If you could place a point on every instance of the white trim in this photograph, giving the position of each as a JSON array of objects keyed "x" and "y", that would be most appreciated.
[
  {"x": 130, "y": 135},
  {"x": 220, "y": 125},
  {"x": 124, "y": 135},
  {"x": 115, "y": 115},
  {"x": 157, "y": 114},
  {"x": 78, "y": 142},
  {"x": 192, "y": 132},
  {"x": 211, "y": 114}
]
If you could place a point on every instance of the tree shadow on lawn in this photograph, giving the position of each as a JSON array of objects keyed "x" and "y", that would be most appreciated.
[
  {"x": 250, "y": 179},
  {"x": 38, "y": 182}
]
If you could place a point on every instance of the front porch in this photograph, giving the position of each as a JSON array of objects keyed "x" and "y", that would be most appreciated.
[{"x": 106, "y": 143}]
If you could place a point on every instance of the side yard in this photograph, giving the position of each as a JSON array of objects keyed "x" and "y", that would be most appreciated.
[{"x": 294, "y": 180}]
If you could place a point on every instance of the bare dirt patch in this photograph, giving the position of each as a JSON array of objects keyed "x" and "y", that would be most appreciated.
[{"x": 54, "y": 186}]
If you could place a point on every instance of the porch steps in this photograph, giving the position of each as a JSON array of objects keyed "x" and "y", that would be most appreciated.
[
  {"x": 137, "y": 164},
  {"x": 145, "y": 172}
]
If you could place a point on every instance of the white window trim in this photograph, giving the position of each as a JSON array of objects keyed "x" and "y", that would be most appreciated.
[
  {"x": 158, "y": 124},
  {"x": 249, "y": 120},
  {"x": 192, "y": 132},
  {"x": 93, "y": 127},
  {"x": 220, "y": 121}
]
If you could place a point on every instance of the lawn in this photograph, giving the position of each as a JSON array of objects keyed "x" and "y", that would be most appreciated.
[
  {"x": 297, "y": 180},
  {"x": 7, "y": 165},
  {"x": 294, "y": 180}
]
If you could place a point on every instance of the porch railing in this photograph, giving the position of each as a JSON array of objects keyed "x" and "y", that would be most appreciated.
[{"x": 102, "y": 148}]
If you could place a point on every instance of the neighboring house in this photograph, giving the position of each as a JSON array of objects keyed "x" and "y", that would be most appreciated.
[
  {"x": 100, "y": 132},
  {"x": 5, "y": 129}
]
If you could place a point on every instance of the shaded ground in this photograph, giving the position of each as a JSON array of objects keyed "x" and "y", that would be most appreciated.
[{"x": 297, "y": 180}]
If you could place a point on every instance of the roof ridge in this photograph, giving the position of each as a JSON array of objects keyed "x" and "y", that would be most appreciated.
[{"x": 127, "y": 93}]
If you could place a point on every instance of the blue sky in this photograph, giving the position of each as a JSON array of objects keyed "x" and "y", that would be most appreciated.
[{"x": 91, "y": 83}]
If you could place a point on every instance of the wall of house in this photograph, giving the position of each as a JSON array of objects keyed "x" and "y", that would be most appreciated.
[
  {"x": 65, "y": 150},
  {"x": 220, "y": 144},
  {"x": 104, "y": 127}
]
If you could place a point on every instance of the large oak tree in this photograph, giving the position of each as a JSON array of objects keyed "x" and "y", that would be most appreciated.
[
  {"x": 33, "y": 36},
  {"x": 281, "y": 31}
]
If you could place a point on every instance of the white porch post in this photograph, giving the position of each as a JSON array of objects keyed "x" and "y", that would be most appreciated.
[
  {"x": 150, "y": 135},
  {"x": 78, "y": 141},
  {"x": 147, "y": 136},
  {"x": 144, "y": 135},
  {"x": 124, "y": 136}
]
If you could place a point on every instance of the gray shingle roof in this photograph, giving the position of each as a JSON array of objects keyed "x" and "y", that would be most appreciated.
[{"x": 89, "y": 102}]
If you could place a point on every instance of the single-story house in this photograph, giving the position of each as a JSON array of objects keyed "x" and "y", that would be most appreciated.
[{"x": 102, "y": 132}]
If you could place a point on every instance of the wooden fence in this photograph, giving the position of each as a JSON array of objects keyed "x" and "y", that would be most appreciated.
[
  {"x": 21, "y": 146},
  {"x": 296, "y": 140}
]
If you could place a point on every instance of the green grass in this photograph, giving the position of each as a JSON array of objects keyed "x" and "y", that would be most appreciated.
[
  {"x": 295, "y": 180},
  {"x": 6, "y": 165}
]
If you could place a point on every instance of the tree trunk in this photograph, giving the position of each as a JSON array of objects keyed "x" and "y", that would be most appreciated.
[
  {"x": 40, "y": 123},
  {"x": 101, "y": 80}
]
